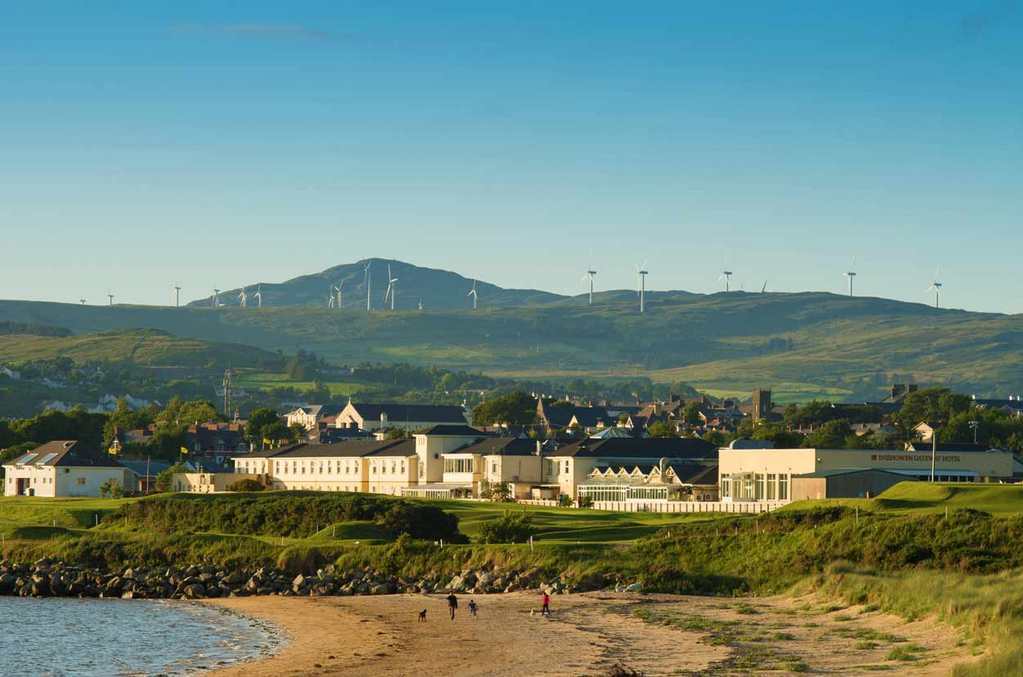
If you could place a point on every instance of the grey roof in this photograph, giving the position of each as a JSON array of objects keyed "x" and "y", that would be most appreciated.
[
  {"x": 139, "y": 467},
  {"x": 648, "y": 447},
  {"x": 501, "y": 446},
  {"x": 454, "y": 430},
  {"x": 429, "y": 413},
  {"x": 951, "y": 446},
  {"x": 64, "y": 453},
  {"x": 835, "y": 472},
  {"x": 353, "y": 449}
]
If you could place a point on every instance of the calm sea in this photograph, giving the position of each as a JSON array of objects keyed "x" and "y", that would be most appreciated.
[{"x": 93, "y": 637}]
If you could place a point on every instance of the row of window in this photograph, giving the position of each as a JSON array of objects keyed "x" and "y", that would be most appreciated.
[
  {"x": 755, "y": 487},
  {"x": 331, "y": 467}
]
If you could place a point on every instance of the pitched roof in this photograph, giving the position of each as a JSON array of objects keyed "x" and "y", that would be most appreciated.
[
  {"x": 66, "y": 454},
  {"x": 353, "y": 449},
  {"x": 429, "y": 413},
  {"x": 501, "y": 446},
  {"x": 951, "y": 446},
  {"x": 631, "y": 447},
  {"x": 454, "y": 430}
]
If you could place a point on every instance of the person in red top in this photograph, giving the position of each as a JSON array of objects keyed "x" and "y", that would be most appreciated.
[{"x": 546, "y": 610}]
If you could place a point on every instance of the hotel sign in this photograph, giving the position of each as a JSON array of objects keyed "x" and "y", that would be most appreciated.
[{"x": 915, "y": 458}]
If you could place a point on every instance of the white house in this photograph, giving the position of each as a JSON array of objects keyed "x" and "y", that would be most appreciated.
[
  {"x": 58, "y": 468},
  {"x": 410, "y": 417}
]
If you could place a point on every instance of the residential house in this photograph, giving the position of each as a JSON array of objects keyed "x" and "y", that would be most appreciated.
[
  {"x": 311, "y": 416},
  {"x": 410, "y": 417},
  {"x": 562, "y": 415},
  {"x": 647, "y": 482},
  {"x": 62, "y": 468}
]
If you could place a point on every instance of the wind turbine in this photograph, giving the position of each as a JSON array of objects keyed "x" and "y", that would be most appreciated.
[
  {"x": 82, "y": 301},
  {"x": 177, "y": 296},
  {"x": 369, "y": 286},
  {"x": 339, "y": 290},
  {"x": 216, "y": 297},
  {"x": 330, "y": 296},
  {"x": 726, "y": 275},
  {"x": 392, "y": 287},
  {"x": 475, "y": 296},
  {"x": 110, "y": 299},
  {"x": 763, "y": 290},
  {"x": 259, "y": 296},
  {"x": 420, "y": 306},
  {"x": 642, "y": 272},
  {"x": 936, "y": 286},
  {"x": 851, "y": 273},
  {"x": 591, "y": 274},
  {"x": 243, "y": 298}
]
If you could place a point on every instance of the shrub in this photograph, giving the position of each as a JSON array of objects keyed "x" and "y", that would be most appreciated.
[
  {"x": 111, "y": 489},
  {"x": 246, "y": 484},
  {"x": 510, "y": 528}
]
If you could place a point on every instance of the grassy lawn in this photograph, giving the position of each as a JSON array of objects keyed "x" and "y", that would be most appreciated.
[
  {"x": 72, "y": 513},
  {"x": 925, "y": 497}
]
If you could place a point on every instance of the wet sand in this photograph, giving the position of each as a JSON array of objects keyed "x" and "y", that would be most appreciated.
[{"x": 590, "y": 634}]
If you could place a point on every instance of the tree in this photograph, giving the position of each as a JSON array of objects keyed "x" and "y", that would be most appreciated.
[
  {"x": 111, "y": 489},
  {"x": 245, "y": 484},
  {"x": 660, "y": 429},
  {"x": 165, "y": 478},
  {"x": 930, "y": 405},
  {"x": 691, "y": 414},
  {"x": 782, "y": 438},
  {"x": 830, "y": 435},
  {"x": 259, "y": 421},
  {"x": 516, "y": 408},
  {"x": 125, "y": 418}
]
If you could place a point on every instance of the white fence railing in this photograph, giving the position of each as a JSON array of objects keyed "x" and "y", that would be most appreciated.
[
  {"x": 549, "y": 502},
  {"x": 688, "y": 506}
]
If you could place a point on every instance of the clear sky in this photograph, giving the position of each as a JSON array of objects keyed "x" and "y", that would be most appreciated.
[{"x": 223, "y": 143}]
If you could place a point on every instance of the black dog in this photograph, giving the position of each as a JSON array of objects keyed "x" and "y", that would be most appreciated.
[{"x": 422, "y": 616}]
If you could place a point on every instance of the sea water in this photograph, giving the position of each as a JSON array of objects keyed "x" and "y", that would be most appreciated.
[{"x": 97, "y": 637}]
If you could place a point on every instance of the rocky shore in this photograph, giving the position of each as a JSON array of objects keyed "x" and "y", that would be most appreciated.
[{"x": 49, "y": 578}]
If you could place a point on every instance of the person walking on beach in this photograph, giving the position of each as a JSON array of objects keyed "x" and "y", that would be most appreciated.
[
  {"x": 546, "y": 610},
  {"x": 472, "y": 608},
  {"x": 452, "y": 604}
]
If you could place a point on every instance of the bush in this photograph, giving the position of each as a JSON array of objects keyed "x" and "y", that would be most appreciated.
[
  {"x": 510, "y": 528},
  {"x": 111, "y": 489},
  {"x": 246, "y": 484}
]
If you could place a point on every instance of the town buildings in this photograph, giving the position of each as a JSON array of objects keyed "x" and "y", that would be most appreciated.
[{"x": 408, "y": 417}]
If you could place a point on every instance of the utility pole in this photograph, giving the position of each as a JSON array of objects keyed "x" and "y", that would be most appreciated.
[
  {"x": 227, "y": 392},
  {"x": 934, "y": 449}
]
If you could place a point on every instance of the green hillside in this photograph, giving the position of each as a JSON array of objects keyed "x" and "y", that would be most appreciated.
[
  {"x": 151, "y": 348},
  {"x": 804, "y": 345}
]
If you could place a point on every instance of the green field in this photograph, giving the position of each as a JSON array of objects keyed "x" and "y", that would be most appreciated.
[
  {"x": 805, "y": 344},
  {"x": 939, "y": 497}
]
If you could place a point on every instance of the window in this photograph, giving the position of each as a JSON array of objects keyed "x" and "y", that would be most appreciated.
[
  {"x": 493, "y": 467},
  {"x": 783, "y": 487},
  {"x": 772, "y": 486},
  {"x": 566, "y": 467},
  {"x": 458, "y": 465},
  {"x": 761, "y": 489},
  {"x": 80, "y": 480}
]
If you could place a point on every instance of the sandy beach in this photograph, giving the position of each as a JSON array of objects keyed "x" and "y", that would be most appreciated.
[{"x": 590, "y": 634}]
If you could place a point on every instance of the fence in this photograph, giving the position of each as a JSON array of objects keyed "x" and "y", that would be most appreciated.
[
  {"x": 549, "y": 502},
  {"x": 687, "y": 506}
]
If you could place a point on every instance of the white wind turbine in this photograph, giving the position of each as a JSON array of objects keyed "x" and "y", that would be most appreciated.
[
  {"x": 339, "y": 290},
  {"x": 216, "y": 298},
  {"x": 243, "y": 298},
  {"x": 475, "y": 296},
  {"x": 392, "y": 287},
  {"x": 330, "y": 296},
  {"x": 726, "y": 275},
  {"x": 177, "y": 296},
  {"x": 590, "y": 275},
  {"x": 82, "y": 301},
  {"x": 369, "y": 283},
  {"x": 110, "y": 298},
  {"x": 259, "y": 296},
  {"x": 642, "y": 272},
  {"x": 851, "y": 273},
  {"x": 763, "y": 290},
  {"x": 936, "y": 286}
]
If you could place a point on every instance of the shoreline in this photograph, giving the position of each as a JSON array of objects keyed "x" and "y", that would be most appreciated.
[{"x": 588, "y": 633}]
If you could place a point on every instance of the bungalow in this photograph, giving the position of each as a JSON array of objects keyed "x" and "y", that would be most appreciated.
[
  {"x": 62, "y": 468},
  {"x": 403, "y": 416}
]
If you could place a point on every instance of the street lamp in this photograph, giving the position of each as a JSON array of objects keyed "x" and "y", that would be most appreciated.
[{"x": 975, "y": 425}]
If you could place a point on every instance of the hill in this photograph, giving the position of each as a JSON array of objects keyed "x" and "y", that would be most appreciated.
[
  {"x": 143, "y": 347},
  {"x": 436, "y": 289},
  {"x": 802, "y": 344}
]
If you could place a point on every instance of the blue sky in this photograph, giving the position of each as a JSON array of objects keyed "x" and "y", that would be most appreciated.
[{"x": 218, "y": 144}]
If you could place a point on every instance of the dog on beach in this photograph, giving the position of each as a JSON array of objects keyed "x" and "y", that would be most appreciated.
[{"x": 422, "y": 616}]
